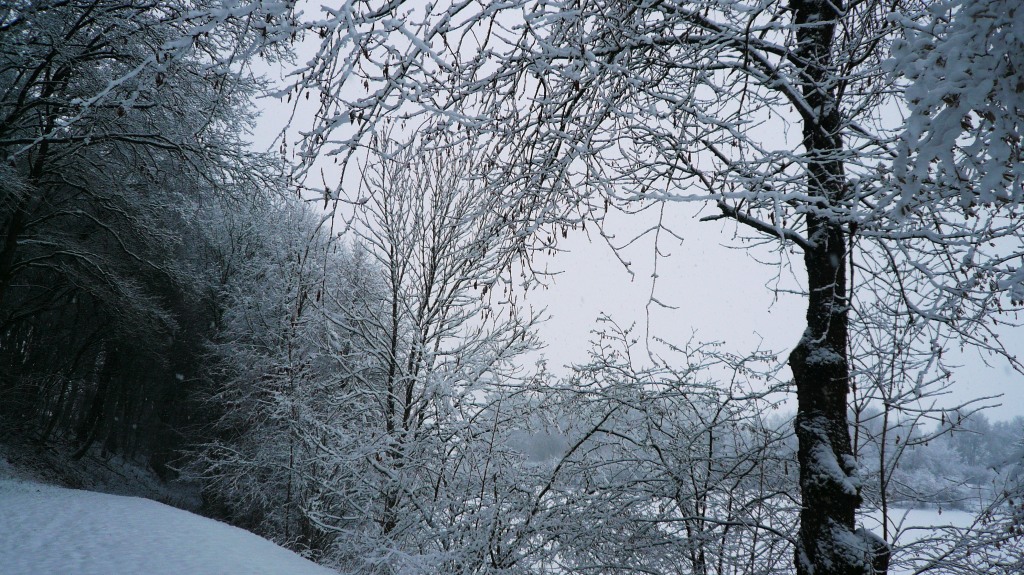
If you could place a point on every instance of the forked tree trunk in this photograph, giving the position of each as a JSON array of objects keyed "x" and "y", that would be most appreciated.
[{"x": 829, "y": 543}]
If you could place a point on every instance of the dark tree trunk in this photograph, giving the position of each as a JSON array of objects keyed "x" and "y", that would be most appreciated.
[
  {"x": 8, "y": 250},
  {"x": 94, "y": 419},
  {"x": 829, "y": 543}
]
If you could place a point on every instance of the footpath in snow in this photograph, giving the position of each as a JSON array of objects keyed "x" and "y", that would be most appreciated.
[{"x": 51, "y": 530}]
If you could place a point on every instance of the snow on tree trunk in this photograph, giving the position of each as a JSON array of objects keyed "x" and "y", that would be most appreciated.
[{"x": 828, "y": 541}]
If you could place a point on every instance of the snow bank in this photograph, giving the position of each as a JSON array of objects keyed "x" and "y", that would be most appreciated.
[{"x": 46, "y": 529}]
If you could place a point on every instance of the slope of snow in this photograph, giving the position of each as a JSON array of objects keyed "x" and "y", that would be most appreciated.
[{"x": 48, "y": 530}]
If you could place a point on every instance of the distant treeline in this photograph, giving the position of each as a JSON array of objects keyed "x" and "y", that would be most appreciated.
[{"x": 960, "y": 461}]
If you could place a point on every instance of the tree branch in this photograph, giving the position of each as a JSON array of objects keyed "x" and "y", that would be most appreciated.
[{"x": 778, "y": 231}]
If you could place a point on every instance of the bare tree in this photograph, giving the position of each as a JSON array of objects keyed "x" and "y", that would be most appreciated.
[
  {"x": 364, "y": 394},
  {"x": 442, "y": 343},
  {"x": 669, "y": 467}
]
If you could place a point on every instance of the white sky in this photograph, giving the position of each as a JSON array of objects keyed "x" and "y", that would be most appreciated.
[{"x": 721, "y": 294}]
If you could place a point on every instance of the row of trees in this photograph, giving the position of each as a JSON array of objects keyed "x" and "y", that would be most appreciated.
[
  {"x": 963, "y": 468},
  {"x": 122, "y": 138}
]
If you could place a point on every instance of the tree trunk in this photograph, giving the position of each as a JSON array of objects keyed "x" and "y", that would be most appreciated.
[
  {"x": 95, "y": 418},
  {"x": 829, "y": 543},
  {"x": 11, "y": 234}
]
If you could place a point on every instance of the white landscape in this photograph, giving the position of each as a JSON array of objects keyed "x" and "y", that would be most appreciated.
[{"x": 512, "y": 287}]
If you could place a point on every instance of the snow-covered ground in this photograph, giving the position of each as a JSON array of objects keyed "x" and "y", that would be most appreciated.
[
  {"x": 934, "y": 537},
  {"x": 915, "y": 524},
  {"x": 48, "y": 530}
]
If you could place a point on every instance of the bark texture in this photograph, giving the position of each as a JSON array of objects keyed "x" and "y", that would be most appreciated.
[{"x": 829, "y": 543}]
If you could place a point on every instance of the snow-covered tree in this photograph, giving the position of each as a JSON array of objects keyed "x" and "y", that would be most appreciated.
[
  {"x": 441, "y": 343},
  {"x": 663, "y": 468},
  {"x": 966, "y": 97},
  {"x": 776, "y": 113},
  {"x": 114, "y": 135},
  {"x": 363, "y": 389},
  {"x": 273, "y": 364}
]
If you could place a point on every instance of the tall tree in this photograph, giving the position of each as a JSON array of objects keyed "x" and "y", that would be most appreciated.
[
  {"x": 278, "y": 366},
  {"x": 360, "y": 389}
]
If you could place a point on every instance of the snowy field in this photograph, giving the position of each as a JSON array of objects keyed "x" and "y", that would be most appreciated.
[
  {"x": 917, "y": 523},
  {"x": 47, "y": 530}
]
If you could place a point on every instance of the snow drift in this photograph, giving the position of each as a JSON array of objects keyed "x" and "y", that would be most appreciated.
[{"x": 46, "y": 529}]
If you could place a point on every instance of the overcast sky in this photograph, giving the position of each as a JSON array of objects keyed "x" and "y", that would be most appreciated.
[{"x": 721, "y": 292}]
